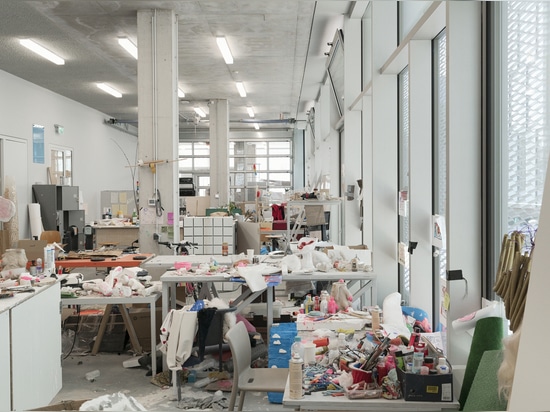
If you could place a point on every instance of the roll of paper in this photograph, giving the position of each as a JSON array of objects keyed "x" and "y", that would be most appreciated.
[{"x": 36, "y": 220}]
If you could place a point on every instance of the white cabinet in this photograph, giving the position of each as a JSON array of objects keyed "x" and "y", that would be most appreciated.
[
  {"x": 210, "y": 233},
  {"x": 34, "y": 329},
  {"x": 5, "y": 370}
]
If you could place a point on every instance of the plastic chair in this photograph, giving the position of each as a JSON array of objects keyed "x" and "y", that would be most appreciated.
[{"x": 246, "y": 378}]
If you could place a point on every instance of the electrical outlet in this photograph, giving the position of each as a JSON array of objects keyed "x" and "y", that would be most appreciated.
[
  {"x": 151, "y": 202},
  {"x": 156, "y": 237}
]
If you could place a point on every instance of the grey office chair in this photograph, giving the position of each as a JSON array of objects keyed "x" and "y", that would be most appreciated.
[{"x": 246, "y": 378}]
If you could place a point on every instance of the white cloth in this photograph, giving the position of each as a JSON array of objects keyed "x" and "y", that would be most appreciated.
[{"x": 178, "y": 332}]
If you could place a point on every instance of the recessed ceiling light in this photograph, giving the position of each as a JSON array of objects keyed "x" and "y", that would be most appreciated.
[
  {"x": 250, "y": 111},
  {"x": 200, "y": 112},
  {"x": 181, "y": 94},
  {"x": 240, "y": 88},
  {"x": 224, "y": 48},
  {"x": 38, "y": 49},
  {"x": 127, "y": 45},
  {"x": 108, "y": 89}
]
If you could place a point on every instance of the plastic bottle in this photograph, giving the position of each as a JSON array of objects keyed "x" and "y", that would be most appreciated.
[
  {"x": 295, "y": 377},
  {"x": 332, "y": 305},
  {"x": 341, "y": 341},
  {"x": 134, "y": 217},
  {"x": 418, "y": 361},
  {"x": 91, "y": 376},
  {"x": 323, "y": 306},
  {"x": 308, "y": 304},
  {"x": 39, "y": 265},
  {"x": 375, "y": 314},
  {"x": 354, "y": 264},
  {"x": 442, "y": 367},
  {"x": 297, "y": 347}
]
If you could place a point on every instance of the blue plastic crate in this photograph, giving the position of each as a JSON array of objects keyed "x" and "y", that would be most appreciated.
[{"x": 287, "y": 332}]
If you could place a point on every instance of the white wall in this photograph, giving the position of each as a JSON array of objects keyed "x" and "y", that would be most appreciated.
[{"x": 98, "y": 163}]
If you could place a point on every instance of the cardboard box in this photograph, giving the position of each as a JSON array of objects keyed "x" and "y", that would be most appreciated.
[
  {"x": 62, "y": 406},
  {"x": 426, "y": 388},
  {"x": 141, "y": 319},
  {"x": 34, "y": 249}
]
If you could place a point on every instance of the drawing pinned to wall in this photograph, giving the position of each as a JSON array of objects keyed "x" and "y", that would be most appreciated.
[
  {"x": 438, "y": 231},
  {"x": 37, "y": 143}
]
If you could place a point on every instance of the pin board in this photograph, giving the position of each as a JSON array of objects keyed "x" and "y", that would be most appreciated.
[{"x": 119, "y": 200}]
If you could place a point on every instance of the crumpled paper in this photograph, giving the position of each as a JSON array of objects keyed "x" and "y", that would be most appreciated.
[{"x": 115, "y": 402}]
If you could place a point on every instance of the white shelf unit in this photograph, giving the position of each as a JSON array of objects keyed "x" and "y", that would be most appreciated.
[{"x": 210, "y": 233}]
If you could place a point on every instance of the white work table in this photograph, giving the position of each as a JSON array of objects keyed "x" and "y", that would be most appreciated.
[
  {"x": 108, "y": 301},
  {"x": 319, "y": 402},
  {"x": 171, "y": 278}
]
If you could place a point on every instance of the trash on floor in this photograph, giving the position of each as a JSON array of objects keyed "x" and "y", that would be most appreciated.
[{"x": 115, "y": 402}]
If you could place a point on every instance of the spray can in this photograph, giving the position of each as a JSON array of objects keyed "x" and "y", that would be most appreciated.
[{"x": 295, "y": 373}]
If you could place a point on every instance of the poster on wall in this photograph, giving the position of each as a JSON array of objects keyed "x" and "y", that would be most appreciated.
[
  {"x": 37, "y": 143},
  {"x": 438, "y": 231},
  {"x": 403, "y": 254}
]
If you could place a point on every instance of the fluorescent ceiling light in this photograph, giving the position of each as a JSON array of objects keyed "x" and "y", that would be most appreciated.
[
  {"x": 256, "y": 126},
  {"x": 127, "y": 45},
  {"x": 108, "y": 89},
  {"x": 250, "y": 111},
  {"x": 200, "y": 112},
  {"x": 240, "y": 88},
  {"x": 181, "y": 94},
  {"x": 38, "y": 49},
  {"x": 224, "y": 48}
]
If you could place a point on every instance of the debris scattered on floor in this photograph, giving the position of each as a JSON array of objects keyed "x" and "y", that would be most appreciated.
[
  {"x": 115, "y": 402},
  {"x": 216, "y": 402}
]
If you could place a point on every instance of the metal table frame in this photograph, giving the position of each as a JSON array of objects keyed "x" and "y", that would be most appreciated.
[{"x": 109, "y": 301}]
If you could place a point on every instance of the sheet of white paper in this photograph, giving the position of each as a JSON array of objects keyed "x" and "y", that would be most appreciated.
[{"x": 254, "y": 275}]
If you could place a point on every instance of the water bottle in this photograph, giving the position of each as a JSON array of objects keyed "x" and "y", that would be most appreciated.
[
  {"x": 295, "y": 376},
  {"x": 297, "y": 347}
]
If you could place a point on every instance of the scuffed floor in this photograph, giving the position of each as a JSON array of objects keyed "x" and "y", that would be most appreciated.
[{"x": 114, "y": 377}]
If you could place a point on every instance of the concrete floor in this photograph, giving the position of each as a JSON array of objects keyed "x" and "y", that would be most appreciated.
[{"x": 133, "y": 382}]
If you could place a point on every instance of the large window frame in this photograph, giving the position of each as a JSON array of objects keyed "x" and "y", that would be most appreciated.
[{"x": 518, "y": 133}]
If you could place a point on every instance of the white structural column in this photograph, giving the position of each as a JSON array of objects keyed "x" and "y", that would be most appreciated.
[
  {"x": 158, "y": 124},
  {"x": 420, "y": 167},
  {"x": 463, "y": 218},
  {"x": 219, "y": 152},
  {"x": 352, "y": 167}
]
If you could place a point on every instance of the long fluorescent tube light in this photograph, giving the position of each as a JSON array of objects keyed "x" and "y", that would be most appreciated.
[
  {"x": 200, "y": 112},
  {"x": 240, "y": 88},
  {"x": 108, "y": 89},
  {"x": 256, "y": 126},
  {"x": 181, "y": 94},
  {"x": 127, "y": 45},
  {"x": 250, "y": 111},
  {"x": 224, "y": 48},
  {"x": 38, "y": 49}
]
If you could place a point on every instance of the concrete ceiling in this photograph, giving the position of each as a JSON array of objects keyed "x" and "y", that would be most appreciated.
[{"x": 278, "y": 46}]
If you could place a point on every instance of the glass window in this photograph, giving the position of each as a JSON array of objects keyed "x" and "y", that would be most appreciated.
[
  {"x": 403, "y": 164},
  {"x": 440, "y": 174},
  {"x": 266, "y": 165},
  {"x": 526, "y": 62}
]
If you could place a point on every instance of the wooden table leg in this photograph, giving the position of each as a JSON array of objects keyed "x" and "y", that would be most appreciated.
[
  {"x": 102, "y": 327},
  {"x": 130, "y": 329}
]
